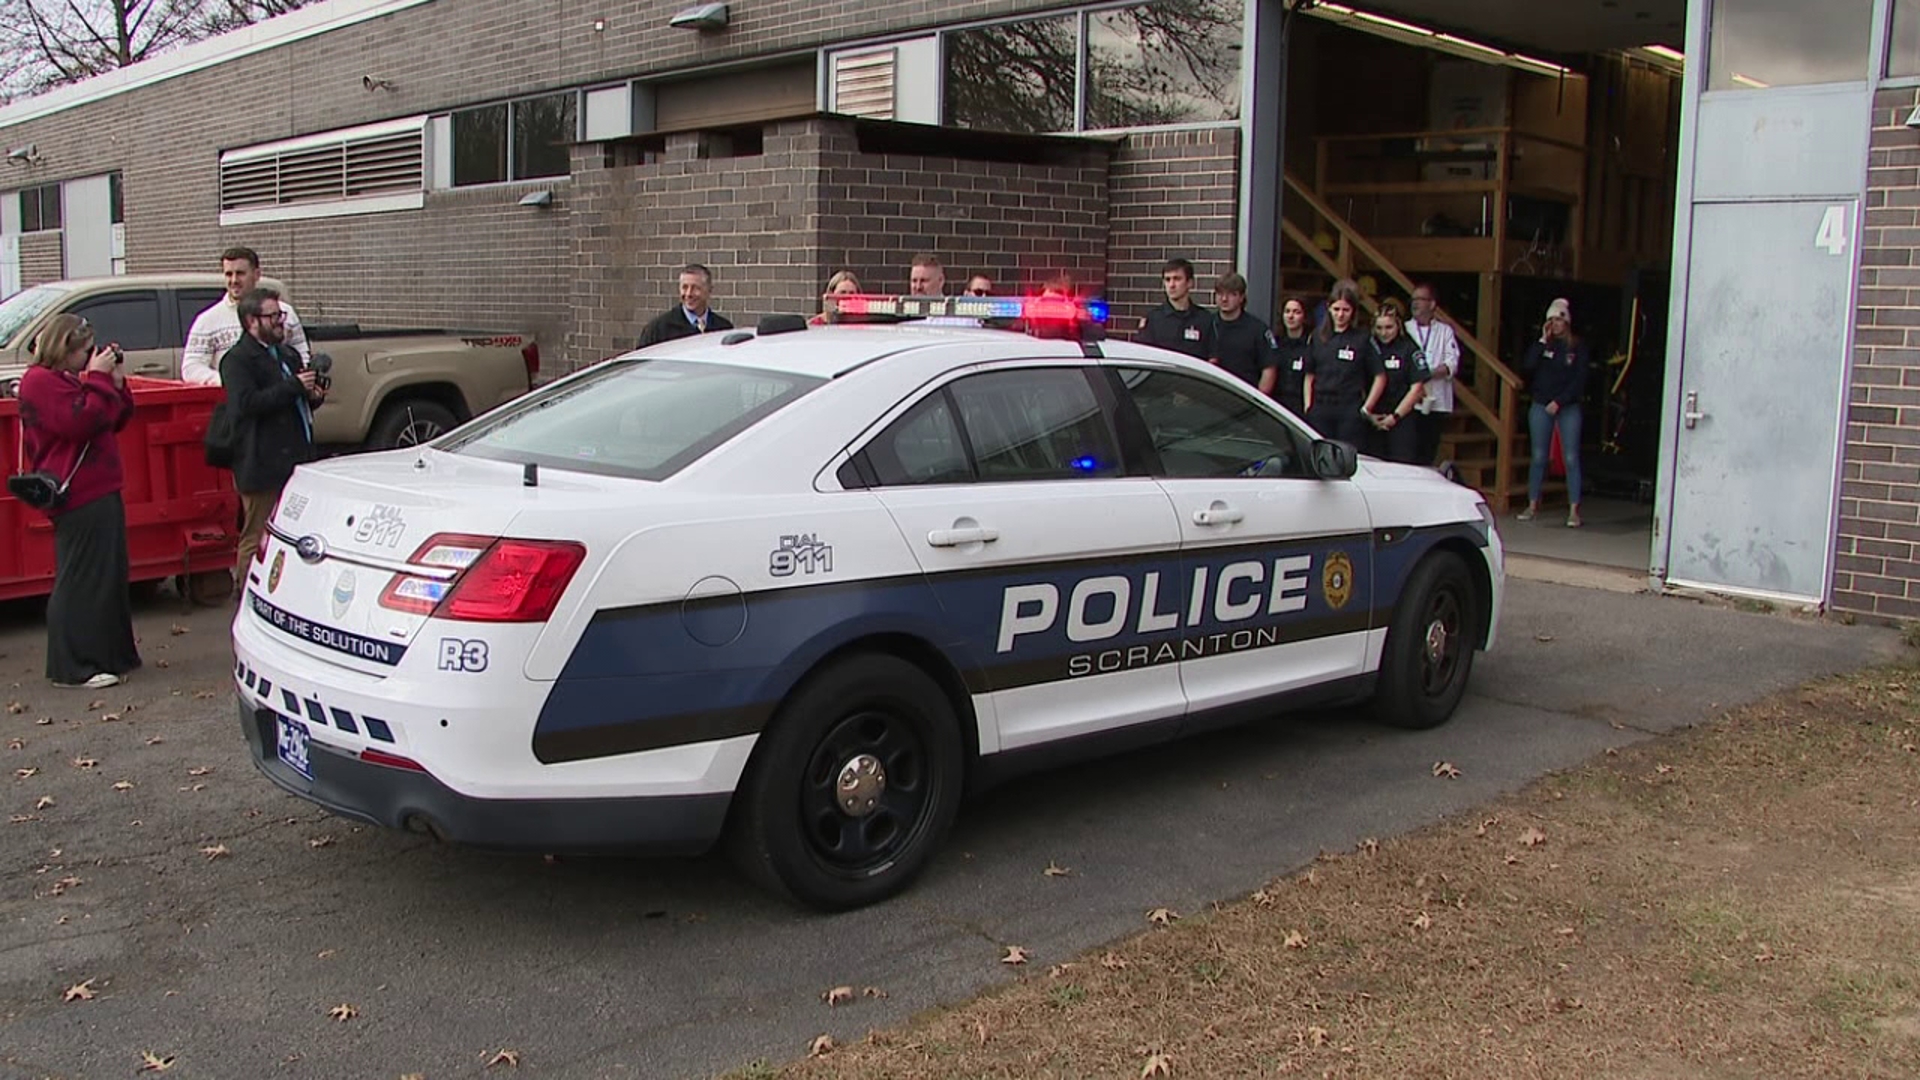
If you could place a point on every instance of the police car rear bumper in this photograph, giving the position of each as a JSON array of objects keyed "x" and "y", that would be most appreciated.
[{"x": 398, "y": 798}]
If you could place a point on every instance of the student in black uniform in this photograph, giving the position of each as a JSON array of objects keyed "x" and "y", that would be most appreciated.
[
  {"x": 1401, "y": 374},
  {"x": 1338, "y": 382},
  {"x": 1242, "y": 344},
  {"x": 1295, "y": 341},
  {"x": 1179, "y": 324}
]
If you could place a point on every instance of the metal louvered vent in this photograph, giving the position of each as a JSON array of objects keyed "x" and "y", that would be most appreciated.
[
  {"x": 863, "y": 84},
  {"x": 381, "y": 160}
]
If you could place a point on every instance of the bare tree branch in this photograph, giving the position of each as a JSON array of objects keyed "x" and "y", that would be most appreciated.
[{"x": 48, "y": 43}]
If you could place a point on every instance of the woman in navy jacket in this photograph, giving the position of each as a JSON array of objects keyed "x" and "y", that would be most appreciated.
[{"x": 1556, "y": 370}]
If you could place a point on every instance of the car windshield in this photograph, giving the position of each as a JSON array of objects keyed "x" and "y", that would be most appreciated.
[
  {"x": 646, "y": 419},
  {"x": 23, "y": 307}
]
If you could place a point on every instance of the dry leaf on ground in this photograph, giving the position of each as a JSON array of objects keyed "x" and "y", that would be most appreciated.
[
  {"x": 215, "y": 851},
  {"x": 15, "y": 708},
  {"x": 820, "y": 1046},
  {"x": 1054, "y": 870},
  {"x": 16, "y": 744},
  {"x": 44, "y": 802},
  {"x": 85, "y": 762},
  {"x": 839, "y": 995},
  {"x": 200, "y": 770},
  {"x": 1016, "y": 954},
  {"x": 176, "y": 630},
  {"x": 509, "y": 1058},
  {"x": 123, "y": 785},
  {"x": 343, "y": 1012},
  {"x": 22, "y": 774},
  {"x": 79, "y": 992},
  {"x": 152, "y": 1062},
  {"x": 1423, "y": 921},
  {"x": 1163, "y": 916},
  {"x": 1296, "y": 940},
  {"x": 1157, "y": 1065},
  {"x": 320, "y": 841},
  {"x": 1113, "y": 962},
  {"x": 1446, "y": 769},
  {"x": 1533, "y": 837}
]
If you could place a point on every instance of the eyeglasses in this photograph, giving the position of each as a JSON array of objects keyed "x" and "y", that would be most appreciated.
[
  {"x": 979, "y": 292},
  {"x": 273, "y": 316}
]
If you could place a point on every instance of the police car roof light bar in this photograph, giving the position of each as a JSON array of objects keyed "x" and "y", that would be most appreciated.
[{"x": 1044, "y": 315}]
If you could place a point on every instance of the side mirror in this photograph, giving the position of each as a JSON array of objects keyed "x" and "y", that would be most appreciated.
[{"x": 1334, "y": 460}]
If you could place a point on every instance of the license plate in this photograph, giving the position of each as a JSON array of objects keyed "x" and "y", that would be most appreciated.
[{"x": 290, "y": 742}]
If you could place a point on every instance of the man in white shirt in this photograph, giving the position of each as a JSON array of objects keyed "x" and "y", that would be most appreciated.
[
  {"x": 1442, "y": 347},
  {"x": 216, "y": 329}
]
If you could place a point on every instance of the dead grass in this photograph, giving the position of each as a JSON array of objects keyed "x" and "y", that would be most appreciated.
[{"x": 1738, "y": 901}]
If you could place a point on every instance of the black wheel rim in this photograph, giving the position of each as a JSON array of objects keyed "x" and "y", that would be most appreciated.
[
  {"x": 884, "y": 817},
  {"x": 1442, "y": 642}
]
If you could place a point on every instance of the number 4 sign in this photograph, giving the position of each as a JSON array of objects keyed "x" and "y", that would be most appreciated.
[{"x": 1834, "y": 235}]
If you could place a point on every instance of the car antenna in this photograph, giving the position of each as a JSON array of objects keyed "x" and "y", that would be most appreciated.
[{"x": 530, "y": 476}]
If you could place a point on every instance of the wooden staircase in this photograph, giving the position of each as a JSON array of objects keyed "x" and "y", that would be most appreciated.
[{"x": 1488, "y": 440}]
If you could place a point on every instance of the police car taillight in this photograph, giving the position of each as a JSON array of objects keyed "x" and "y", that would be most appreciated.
[{"x": 486, "y": 579}]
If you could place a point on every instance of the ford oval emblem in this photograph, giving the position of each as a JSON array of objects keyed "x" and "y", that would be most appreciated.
[{"x": 311, "y": 549}]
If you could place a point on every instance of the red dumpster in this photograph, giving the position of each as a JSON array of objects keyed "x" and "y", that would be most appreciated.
[{"x": 181, "y": 512}]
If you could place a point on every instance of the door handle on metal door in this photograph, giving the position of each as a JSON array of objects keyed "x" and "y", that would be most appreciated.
[
  {"x": 1693, "y": 415},
  {"x": 1219, "y": 514},
  {"x": 162, "y": 370},
  {"x": 955, "y": 537}
]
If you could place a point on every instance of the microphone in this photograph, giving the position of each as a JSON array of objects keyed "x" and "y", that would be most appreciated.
[{"x": 321, "y": 364}]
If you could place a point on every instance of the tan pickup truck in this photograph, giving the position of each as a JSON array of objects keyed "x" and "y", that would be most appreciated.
[{"x": 390, "y": 387}]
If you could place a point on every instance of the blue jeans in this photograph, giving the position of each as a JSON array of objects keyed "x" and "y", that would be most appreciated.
[{"x": 1540, "y": 425}]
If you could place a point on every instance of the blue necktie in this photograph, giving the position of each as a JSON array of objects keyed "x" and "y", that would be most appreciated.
[{"x": 306, "y": 410}]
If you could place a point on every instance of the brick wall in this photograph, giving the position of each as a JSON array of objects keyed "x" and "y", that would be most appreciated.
[
  {"x": 1173, "y": 194},
  {"x": 472, "y": 258},
  {"x": 1877, "y": 568},
  {"x": 585, "y": 273},
  {"x": 1019, "y": 223},
  {"x": 751, "y": 220},
  {"x": 775, "y": 225},
  {"x": 42, "y": 257}
]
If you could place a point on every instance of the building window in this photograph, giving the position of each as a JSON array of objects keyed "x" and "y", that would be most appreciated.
[
  {"x": 1903, "y": 51},
  {"x": 518, "y": 140},
  {"x": 117, "y": 198},
  {"x": 1017, "y": 76},
  {"x": 40, "y": 209},
  {"x": 1144, "y": 65},
  {"x": 1755, "y": 44},
  {"x": 1176, "y": 62}
]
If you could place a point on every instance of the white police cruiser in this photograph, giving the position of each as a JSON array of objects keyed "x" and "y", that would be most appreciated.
[{"x": 801, "y": 589}]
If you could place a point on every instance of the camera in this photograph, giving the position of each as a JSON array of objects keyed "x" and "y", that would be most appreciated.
[
  {"x": 321, "y": 365},
  {"x": 119, "y": 355}
]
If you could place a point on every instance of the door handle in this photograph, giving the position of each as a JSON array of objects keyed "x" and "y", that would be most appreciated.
[
  {"x": 153, "y": 369},
  {"x": 1693, "y": 415},
  {"x": 955, "y": 537},
  {"x": 1219, "y": 514}
]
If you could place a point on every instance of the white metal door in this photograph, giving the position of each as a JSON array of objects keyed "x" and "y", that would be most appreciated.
[
  {"x": 1769, "y": 306},
  {"x": 87, "y": 226}
]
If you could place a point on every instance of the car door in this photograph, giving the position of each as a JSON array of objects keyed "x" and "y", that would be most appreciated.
[
  {"x": 1008, "y": 485},
  {"x": 1279, "y": 562},
  {"x": 131, "y": 317}
]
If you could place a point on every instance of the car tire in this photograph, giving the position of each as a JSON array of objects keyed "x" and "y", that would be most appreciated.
[
  {"x": 852, "y": 787},
  {"x": 410, "y": 423},
  {"x": 1430, "y": 645}
]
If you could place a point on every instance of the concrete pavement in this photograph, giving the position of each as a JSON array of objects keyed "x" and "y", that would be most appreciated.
[{"x": 613, "y": 968}]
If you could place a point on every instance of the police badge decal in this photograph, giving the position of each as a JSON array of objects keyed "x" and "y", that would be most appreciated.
[
  {"x": 1336, "y": 580},
  {"x": 273, "y": 574}
]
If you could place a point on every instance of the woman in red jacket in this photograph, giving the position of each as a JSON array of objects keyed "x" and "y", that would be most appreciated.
[{"x": 72, "y": 402}]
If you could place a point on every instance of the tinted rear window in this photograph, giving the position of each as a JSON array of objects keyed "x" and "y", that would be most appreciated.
[{"x": 645, "y": 419}]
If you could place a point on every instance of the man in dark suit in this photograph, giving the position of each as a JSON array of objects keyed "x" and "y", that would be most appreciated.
[
  {"x": 272, "y": 395},
  {"x": 691, "y": 315}
]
